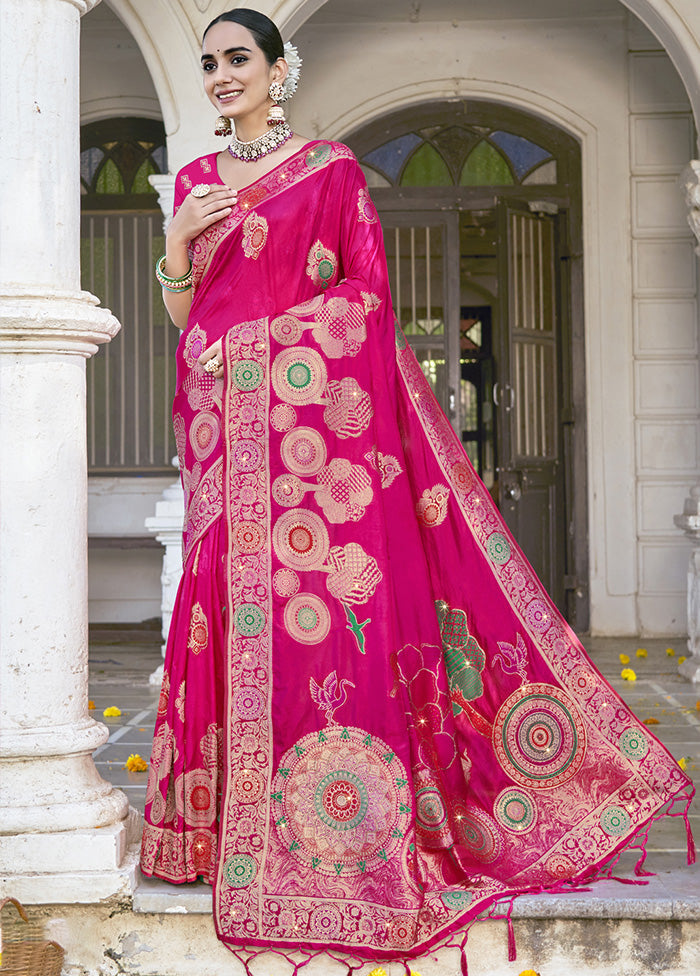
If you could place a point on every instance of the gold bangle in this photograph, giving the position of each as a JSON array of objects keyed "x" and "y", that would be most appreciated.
[{"x": 172, "y": 284}]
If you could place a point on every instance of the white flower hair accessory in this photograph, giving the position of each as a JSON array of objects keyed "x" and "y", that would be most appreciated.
[{"x": 291, "y": 56}]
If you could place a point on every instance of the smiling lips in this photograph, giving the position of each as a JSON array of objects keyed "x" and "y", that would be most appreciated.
[{"x": 228, "y": 96}]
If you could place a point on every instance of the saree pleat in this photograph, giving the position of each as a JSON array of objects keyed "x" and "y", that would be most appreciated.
[{"x": 375, "y": 725}]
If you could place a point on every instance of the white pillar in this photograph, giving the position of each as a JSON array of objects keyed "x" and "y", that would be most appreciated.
[
  {"x": 166, "y": 525},
  {"x": 52, "y": 800}
]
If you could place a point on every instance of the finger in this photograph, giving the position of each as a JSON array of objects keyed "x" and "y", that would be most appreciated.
[{"x": 211, "y": 352}]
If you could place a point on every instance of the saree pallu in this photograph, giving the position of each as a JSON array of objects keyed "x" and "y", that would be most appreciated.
[{"x": 374, "y": 725}]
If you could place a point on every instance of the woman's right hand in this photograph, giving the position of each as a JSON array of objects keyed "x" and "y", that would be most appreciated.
[{"x": 197, "y": 213}]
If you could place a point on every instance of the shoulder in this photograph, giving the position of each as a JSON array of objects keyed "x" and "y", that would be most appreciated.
[
  {"x": 338, "y": 158},
  {"x": 197, "y": 171}
]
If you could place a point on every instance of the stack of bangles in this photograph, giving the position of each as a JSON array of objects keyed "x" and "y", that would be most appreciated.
[{"x": 172, "y": 284}]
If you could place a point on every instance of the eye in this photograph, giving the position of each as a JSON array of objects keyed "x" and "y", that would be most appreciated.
[
  {"x": 208, "y": 66},
  {"x": 238, "y": 59}
]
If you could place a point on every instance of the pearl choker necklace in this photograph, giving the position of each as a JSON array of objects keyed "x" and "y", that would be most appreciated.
[{"x": 248, "y": 152}]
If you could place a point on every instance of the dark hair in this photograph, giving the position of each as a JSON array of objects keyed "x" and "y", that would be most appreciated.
[{"x": 265, "y": 33}]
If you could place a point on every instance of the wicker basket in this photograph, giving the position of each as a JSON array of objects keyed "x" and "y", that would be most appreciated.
[{"x": 32, "y": 957}]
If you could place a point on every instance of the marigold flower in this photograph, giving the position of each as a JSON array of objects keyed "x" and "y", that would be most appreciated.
[
  {"x": 651, "y": 721},
  {"x": 683, "y": 762},
  {"x": 641, "y": 652},
  {"x": 529, "y": 972},
  {"x": 682, "y": 658},
  {"x": 697, "y": 706},
  {"x": 624, "y": 659},
  {"x": 135, "y": 764},
  {"x": 91, "y": 704},
  {"x": 670, "y": 652},
  {"x": 628, "y": 674},
  {"x": 112, "y": 711},
  {"x": 378, "y": 972}
]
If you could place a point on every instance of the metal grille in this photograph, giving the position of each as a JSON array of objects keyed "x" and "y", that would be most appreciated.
[
  {"x": 532, "y": 291},
  {"x": 131, "y": 380}
]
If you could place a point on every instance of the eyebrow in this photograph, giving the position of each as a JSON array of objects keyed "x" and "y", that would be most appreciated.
[{"x": 229, "y": 50}]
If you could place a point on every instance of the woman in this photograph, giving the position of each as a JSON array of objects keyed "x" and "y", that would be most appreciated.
[{"x": 374, "y": 723}]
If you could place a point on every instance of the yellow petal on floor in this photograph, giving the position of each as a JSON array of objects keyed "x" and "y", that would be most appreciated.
[
  {"x": 682, "y": 658},
  {"x": 651, "y": 721},
  {"x": 624, "y": 659},
  {"x": 670, "y": 652},
  {"x": 641, "y": 652},
  {"x": 112, "y": 712},
  {"x": 628, "y": 674},
  {"x": 378, "y": 972},
  {"x": 91, "y": 704},
  {"x": 135, "y": 764},
  {"x": 683, "y": 762}
]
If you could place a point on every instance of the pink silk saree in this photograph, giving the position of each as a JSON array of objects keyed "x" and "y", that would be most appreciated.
[{"x": 374, "y": 725}]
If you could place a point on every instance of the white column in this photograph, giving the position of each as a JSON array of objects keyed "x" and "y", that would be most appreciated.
[
  {"x": 52, "y": 800},
  {"x": 166, "y": 525}
]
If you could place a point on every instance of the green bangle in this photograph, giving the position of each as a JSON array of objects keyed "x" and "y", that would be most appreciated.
[{"x": 172, "y": 284}]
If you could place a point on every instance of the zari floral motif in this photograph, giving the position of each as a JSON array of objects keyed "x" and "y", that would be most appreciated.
[
  {"x": 322, "y": 265},
  {"x": 431, "y": 507},
  {"x": 340, "y": 328},
  {"x": 341, "y": 810},
  {"x": 255, "y": 231},
  {"x": 365, "y": 207},
  {"x": 199, "y": 630}
]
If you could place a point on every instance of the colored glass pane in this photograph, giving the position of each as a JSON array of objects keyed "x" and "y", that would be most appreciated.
[
  {"x": 390, "y": 157},
  {"x": 522, "y": 153},
  {"x": 426, "y": 167},
  {"x": 90, "y": 159},
  {"x": 373, "y": 177},
  {"x": 141, "y": 184},
  {"x": 485, "y": 166},
  {"x": 109, "y": 179},
  {"x": 546, "y": 173}
]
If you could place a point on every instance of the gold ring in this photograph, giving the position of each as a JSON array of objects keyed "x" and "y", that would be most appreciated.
[
  {"x": 212, "y": 365},
  {"x": 201, "y": 190}
]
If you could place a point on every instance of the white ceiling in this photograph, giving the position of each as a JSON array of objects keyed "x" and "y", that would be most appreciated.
[{"x": 355, "y": 11}]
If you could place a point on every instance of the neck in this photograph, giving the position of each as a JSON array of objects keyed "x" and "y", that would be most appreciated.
[{"x": 251, "y": 127}]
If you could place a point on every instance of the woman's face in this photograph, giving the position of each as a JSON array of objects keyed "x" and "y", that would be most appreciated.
[{"x": 236, "y": 73}]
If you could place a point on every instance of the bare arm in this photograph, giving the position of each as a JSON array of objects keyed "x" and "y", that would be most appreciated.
[{"x": 194, "y": 216}]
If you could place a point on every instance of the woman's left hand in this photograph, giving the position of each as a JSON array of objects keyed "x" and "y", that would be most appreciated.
[{"x": 213, "y": 355}]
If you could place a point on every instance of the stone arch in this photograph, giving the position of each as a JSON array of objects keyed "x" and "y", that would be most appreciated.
[{"x": 658, "y": 16}]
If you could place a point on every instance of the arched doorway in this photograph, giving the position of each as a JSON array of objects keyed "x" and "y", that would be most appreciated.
[{"x": 481, "y": 210}]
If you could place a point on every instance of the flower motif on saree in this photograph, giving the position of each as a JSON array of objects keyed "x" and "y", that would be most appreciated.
[
  {"x": 322, "y": 265},
  {"x": 195, "y": 344},
  {"x": 283, "y": 417},
  {"x": 515, "y": 810},
  {"x": 345, "y": 491},
  {"x": 479, "y": 833},
  {"x": 300, "y": 539},
  {"x": 341, "y": 802},
  {"x": 371, "y": 301},
  {"x": 286, "y": 329},
  {"x": 349, "y": 409},
  {"x": 340, "y": 328},
  {"x": 204, "y": 434},
  {"x": 195, "y": 798},
  {"x": 353, "y": 575},
  {"x": 431, "y": 507},
  {"x": 286, "y": 583},
  {"x": 365, "y": 207},
  {"x": 255, "y": 230},
  {"x": 198, "y": 636},
  {"x": 387, "y": 465}
]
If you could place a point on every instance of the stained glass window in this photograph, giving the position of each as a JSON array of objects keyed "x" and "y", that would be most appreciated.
[
  {"x": 459, "y": 154},
  {"x": 118, "y": 155}
]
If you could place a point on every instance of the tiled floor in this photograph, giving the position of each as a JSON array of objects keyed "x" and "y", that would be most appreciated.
[{"x": 119, "y": 674}]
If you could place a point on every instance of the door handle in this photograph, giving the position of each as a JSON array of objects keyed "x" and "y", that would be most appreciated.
[
  {"x": 513, "y": 492},
  {"x": 499, "y": 391}
]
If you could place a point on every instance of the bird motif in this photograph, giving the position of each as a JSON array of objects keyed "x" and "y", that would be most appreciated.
[
  {"x": 330, "y": 695},
  {"x": 356, "y": 628}
]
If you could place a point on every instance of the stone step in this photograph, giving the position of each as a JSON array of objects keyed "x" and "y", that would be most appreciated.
[{"x": 609, "y": 930}]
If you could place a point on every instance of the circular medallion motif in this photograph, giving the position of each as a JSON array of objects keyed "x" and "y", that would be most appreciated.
[
  {"x": 204, "y": 434},
  {"x": 239, "y": 870},
  {"x": 401, "y": 931},
  {"x": 249, "y": 620},
  {"x": 538, "y": 616},
  {"x": 247, "y": 456},
  {"x": 287, "y": 490},
  {"x": 249, "y": 704},
  {"x": 341, "y": 800},
  {"x": 326, "y": 921},
  {"x": 539, "y": 736},
  {"x": 307, "y": 618},
  {"x": 560, "y": 866},
  {"x": 463, "y": 476},
  {"x": 303, "y": 451},
  {"x": 634, "y": 744},
  {"x": 286, "y": 583},
  {"x": 430, "y": 809},
  {"x": 515, "y": 811},
  {"x": 248, "y": 537},
  {"x": 498, "y": 548},
  {"x": 480, "y": 835},
  {"x": 456, "y": 901},
  {"x": 338, "y": 805},
  {"x": 248, "y": 786},
  {"x": 247, "y": 375},
  {"x": 300, "y": 538},
  {"x": 615, "y": 821},
  {"x": 286, "y": 330},
  {"x": 299, "y": 376},
  {"x": 283, "y": 417},
  {"x": 194, "y": 798}
]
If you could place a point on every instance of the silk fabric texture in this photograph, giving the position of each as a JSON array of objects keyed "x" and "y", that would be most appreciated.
[{"x": 374, "y": 724}]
